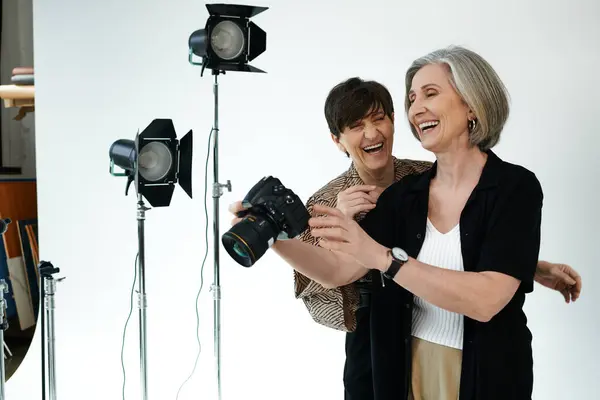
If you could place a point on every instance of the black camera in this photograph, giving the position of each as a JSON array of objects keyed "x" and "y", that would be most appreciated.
[{"x": 272, "y": 212}]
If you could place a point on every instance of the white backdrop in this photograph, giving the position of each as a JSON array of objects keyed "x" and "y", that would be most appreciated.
[{"x": 106, "y": 69}]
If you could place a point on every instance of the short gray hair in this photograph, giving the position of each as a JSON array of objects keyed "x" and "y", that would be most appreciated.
[{"x": 479, "y": 86}]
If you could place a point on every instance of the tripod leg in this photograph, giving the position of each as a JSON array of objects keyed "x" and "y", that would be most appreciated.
[{"x": 7, "y": 350}]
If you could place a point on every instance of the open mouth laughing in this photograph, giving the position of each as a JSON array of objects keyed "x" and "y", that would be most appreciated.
[
  {"x": 427, "y": 126},
  {"x": 374, "y": 148}
]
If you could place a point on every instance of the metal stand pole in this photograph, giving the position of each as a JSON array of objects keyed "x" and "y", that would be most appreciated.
[
  {"x": 46, "y": 273},
  {"x": 50, "y": 290},
  {"x": 3, "y": 327},
  {"x": 3, "y": 317},
  {"x": 217, "y": 193},
  {"x": 141, "y": 217}
]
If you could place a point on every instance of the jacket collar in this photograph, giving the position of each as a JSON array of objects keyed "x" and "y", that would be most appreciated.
[{"x": 489, "y": 176}]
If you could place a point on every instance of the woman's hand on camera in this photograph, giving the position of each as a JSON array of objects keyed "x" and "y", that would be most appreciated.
[
  {"x": 341, "y": 233},
  {"x": 357, "y": 199},
  {"x": 235, "y": 208}
]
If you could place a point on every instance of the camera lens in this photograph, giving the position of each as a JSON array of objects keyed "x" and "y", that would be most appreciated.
[{"x": 248, "y": 240}]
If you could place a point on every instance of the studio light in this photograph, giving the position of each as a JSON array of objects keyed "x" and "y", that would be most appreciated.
[
  {"x": 156, "y": 161},
  {"x": 229, "y": 41}
]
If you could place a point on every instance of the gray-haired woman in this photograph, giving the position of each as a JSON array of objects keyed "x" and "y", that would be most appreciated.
[
  {"x": 457, "y": 246},
  {"x": 444, "y": 325}
]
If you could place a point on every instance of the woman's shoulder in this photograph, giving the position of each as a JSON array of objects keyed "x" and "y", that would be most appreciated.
[{"x": 511, "y": 176}]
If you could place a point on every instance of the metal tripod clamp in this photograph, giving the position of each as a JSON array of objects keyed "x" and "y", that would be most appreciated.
[
  {"x": 47, "y": 269},
  {"x": 218, "y": 188}
]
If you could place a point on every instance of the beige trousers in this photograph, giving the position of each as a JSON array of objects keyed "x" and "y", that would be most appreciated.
[{"x": 435, "y": 371}]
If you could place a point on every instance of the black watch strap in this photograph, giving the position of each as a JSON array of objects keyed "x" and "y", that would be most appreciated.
[
  {"x": 393, "y": 269},
  {"x": 399, "y": 258}
]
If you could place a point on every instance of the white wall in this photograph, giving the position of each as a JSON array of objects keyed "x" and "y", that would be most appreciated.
[
  {"x": 106, "y": 69},
  {"x": 18, "y": 137}
]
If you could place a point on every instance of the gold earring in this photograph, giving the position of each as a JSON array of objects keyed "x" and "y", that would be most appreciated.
[{"x": 472, "y": 124}]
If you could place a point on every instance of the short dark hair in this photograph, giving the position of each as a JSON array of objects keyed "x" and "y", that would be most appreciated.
[{"x": 351, "y": 100}]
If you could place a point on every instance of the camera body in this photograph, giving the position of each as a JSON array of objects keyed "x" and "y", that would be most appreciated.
[
  {"x": 272, "y": 212},
  {"x": 270, "y": 199}
]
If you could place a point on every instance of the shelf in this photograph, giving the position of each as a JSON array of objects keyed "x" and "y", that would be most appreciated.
[{"x": 21, "y": 96}]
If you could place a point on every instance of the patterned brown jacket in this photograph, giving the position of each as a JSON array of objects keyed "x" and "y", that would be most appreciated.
[{"x": 336, "y": 308}]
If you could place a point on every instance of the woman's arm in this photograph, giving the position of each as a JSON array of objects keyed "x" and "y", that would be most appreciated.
[
  {"x": 478, "y": 295},
  {"x": 328, "y": 268}
]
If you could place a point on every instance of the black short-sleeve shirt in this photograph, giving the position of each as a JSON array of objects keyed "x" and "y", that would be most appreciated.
[{"x": 500, "y": 231}]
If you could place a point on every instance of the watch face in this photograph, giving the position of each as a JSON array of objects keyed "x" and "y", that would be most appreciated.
[{"x": 399, "y": 254}]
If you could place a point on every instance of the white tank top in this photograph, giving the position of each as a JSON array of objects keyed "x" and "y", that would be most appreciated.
[{"x": 430, "y": 322}]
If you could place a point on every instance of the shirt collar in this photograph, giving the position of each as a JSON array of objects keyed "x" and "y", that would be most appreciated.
[{"x": 352, "y": 173}]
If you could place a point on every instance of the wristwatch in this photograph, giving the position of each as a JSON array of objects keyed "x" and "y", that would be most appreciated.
[{"x": 399, "y": 258}]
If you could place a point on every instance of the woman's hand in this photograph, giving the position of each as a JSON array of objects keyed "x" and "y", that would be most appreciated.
[
  {"x": 559, "y": 277},
  {"x": 235, "y": 208},
  {"x": 341, "y": 233},
  {"x": 357, "y": 199}
]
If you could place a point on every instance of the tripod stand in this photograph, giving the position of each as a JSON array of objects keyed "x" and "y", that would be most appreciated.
[{"x": 47, "y": 289}]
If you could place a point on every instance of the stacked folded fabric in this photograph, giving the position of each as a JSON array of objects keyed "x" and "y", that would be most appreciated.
[{"x": 22, "y": 76}]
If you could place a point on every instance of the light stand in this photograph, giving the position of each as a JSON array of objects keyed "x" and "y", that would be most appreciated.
[
  {"x": 3, "y": 316},
  {"x": 227, "y": 43},
  {"x": 155, "y": 161},
  {"x": 48, "y": 288},
  {"x": 141, "y": 218},
  {"x": 217, "y": 193}
]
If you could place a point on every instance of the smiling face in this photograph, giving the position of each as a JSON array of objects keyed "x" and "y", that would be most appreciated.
[
  {"x": 369, "y": 141},
  {"x": 437, "y": 112}
]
